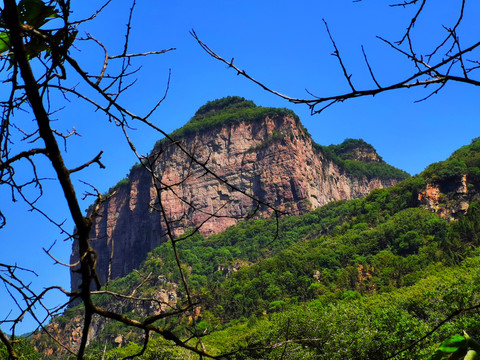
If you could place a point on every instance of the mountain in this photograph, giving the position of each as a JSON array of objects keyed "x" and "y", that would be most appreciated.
[
  {"x": 264, "y": 152},
  {"x": 357, "y": 279}
]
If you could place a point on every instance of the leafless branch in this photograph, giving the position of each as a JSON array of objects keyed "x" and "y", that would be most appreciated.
[
  {"x": 22, "y": 155},
  {"x": 370, "y": 69},
  {"x": 414, "y": 80},
  {"x": 336, "y": 53},
  {"x": 34, "y": 93},
  {"x": 96, "y": 159},
  {"x": 140, "y": 54}
]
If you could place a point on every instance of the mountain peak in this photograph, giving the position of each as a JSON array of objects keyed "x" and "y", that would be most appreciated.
[
  {"x": 227, "y": 110},
  {"x": 264, "y": 151},
  {"x": 357, "y": 150},
  {"x": 225, "y": 104}
]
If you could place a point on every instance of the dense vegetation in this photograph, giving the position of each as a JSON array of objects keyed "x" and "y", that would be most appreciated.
[
  {"x": 24, "y": 349},
  {"x": 346, "y": 150},
  {"x": 465, "y": 160},
  {"x": 228, "y": 110},
  {"x": 344, "y": 155},
  {"x": 357, "y": 279}
]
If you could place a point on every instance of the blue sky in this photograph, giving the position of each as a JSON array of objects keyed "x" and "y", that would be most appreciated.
[{"x": 280, "y": 43}]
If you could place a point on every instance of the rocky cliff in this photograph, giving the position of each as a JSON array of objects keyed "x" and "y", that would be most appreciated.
[{"x": 263, "y": 152}]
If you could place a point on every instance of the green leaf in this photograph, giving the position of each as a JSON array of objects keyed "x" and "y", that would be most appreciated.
[
  {"x": 453, "y": 344},
  {"x": 438, "y": 355},
  {"x": 35, "y": 12},
  {"x": 35, "y": 47},
  {"x": 472, "y": 355},
  {"x": 4, "y": 42}
]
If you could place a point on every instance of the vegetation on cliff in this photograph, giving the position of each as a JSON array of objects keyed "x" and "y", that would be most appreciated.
[
  {"x": 227, "y": 110},
  {"x": 345, "y": 156},
  {"x": 464, "y": 161}
]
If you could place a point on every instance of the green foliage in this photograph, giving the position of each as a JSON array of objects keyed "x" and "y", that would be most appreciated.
[
  {"x": 227, "y": 110},
  {"x": 344, "y": 156},
  {"x": 445, "y": 170},
  {"x": 467, "y": 228},
  {"x": 35, "y": 14},
  {"x": 226, "y": 104},
  {"x": 464, "y": 161},
  {"x": 158, "y": 349},
  {"x": 374, "y": 326},
  {"x": 388, "y": 252},
  {"x": 458, "y": 347},
  {"x": 345, "y": 150},
  {"x": 23, "y": 348},
  {"x": 4, "y": 42},
  {"x": 372, "y": 170}
]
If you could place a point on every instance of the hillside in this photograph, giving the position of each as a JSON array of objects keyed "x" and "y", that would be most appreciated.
[
  {"x": 248, "y": 161},
  {"x": 359, "y": 279}
]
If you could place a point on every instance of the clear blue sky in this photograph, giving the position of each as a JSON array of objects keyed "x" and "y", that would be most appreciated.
[{"x": 280, "y": 43}]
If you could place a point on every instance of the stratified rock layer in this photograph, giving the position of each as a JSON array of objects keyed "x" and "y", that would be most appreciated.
[{"x": 271, "y": 159}]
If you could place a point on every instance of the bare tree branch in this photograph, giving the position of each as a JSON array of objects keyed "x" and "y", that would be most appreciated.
[
  {"x": 35, "y": 93},
  {"x": 414, "y": 80}
]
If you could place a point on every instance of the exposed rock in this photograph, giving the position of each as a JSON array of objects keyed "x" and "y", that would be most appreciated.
[
  {"x": 68, "y": 332},
  {"x": 271, "y": 159},
  {"x": 364, "y": 276},
  {"x": 447, "y": 199},
  {"x": 366, "y": 155},
  {"x": 118, "y": 340},
  {"x": 236, "y": 265}
]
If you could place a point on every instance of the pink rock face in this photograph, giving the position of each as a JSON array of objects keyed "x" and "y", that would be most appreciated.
[
  {"x": 448, "y": 204},
  {"x": 272, "y": 160}
]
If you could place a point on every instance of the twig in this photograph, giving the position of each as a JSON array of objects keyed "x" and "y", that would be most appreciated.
[{"x": 337, "y": 55}]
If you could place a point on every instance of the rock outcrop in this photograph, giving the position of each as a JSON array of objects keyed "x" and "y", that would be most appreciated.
[
  {"x": 267, "y": 156},
  {"x": 67, "y": 329},
  {"x": 448, "y": 199},
  {"x": 451, "y": 186}
]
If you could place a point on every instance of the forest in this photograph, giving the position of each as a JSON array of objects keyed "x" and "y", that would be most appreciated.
[{"x": 360, "y": 279}]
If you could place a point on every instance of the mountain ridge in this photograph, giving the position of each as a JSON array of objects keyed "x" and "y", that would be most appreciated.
[
  {"x": 378, "y": 253},
  {"x": 264, "y": 152}
]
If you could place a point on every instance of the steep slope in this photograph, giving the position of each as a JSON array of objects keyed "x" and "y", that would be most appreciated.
[
  {"x": 264, "y": 152},
  {"x": 387, "y": 263},
  {"x": 458, "y": 176}
]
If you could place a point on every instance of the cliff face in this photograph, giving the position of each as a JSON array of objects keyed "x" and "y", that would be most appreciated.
[
  {"x": 271, "y": 159},
  {"x": 448, "y": 199},
  {"x": 451, "y": 186}
]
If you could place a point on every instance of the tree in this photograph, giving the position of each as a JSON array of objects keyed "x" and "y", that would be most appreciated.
[{"x": 36, "y": 43}]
